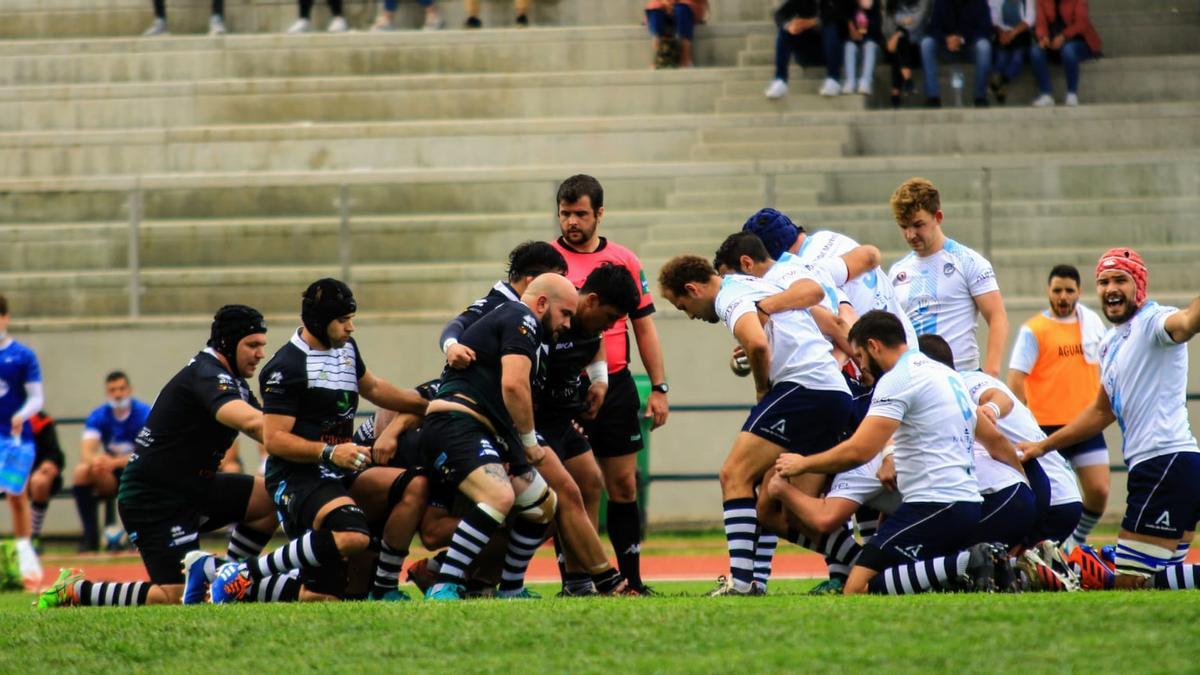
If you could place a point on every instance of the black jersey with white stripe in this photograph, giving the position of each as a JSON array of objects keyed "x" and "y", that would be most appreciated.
[
  {"x": 561, "y": 393},
  {"x": 319, "y": 388},
  {"x": 182, "y": 443}
]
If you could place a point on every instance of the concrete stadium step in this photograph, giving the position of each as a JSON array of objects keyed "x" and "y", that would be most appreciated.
[
  {"x": 607, "y": 93},
  {"x": 81, "y": 18},
  {"x": 276, "y": 56},
  {"x": 72, "y": 18},
  {"x": 1126, "y": 33},
  {"x": 710, "y": 152},
  {"x": 1022, "y": 175},
  {"x": 180, "y": 290}
]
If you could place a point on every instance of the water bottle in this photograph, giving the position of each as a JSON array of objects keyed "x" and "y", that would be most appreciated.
[
  {"x": 16, "y": 459},
  {"x": 956, "y": 83}
]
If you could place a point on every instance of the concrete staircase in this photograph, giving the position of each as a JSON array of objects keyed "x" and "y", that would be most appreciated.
[{"x": 259, "y": 160}]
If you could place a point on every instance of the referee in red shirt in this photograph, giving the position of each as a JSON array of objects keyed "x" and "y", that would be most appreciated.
[{"x": 614, "y": 430}]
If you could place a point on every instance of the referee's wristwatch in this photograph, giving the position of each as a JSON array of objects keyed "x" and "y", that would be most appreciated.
[{"x": 661, "y": 388}]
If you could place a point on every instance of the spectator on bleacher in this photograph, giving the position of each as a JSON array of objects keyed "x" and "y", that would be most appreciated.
[
  {"x": 216, "y": 23},
  {"x": 799, "y": 37},
  {"x": 958, "y": 30},
  {"x": 387, "y": 15},
  {"x": 833, "y": 39},
  {"x": 1013, "y": 21},
  {"x": 864, "y": 33},
  {"x": 108, "y": 437},
  {"x": 304, "y": 23},
  {"x": 676, "y": 19},
  {"x": 521, "y": 7},
  {"x": 904, "y": 24},
  {"x": 1063, "y": 27}
]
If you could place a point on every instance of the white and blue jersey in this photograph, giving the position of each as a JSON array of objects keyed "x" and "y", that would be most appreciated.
[
  {"x": 828, "y": 274},
  {"x": 1019, "y": 425},
  {"x": 799, "y": 352},
  {"x": 934, "y": 457},
  {"x": 861, "y": 485},
  {"x": 18, "y": 367},
  {"x": 1144, "y": 372},
  {"x": 938, "y": 293},
  {"x": 865, "y": 292},
  {"x": 116, "y": 435}
]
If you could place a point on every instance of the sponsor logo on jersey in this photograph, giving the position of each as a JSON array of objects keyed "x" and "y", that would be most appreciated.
[
  {"x": 902, "y": 277},
  {"x": 1163, "y": 520},
  {"x": 913, "y": 551},
  {"x": 779, "y": 427},
  {"x": 645, "y": 282},
  {"x": 948, "y": 269},
  {"x": 275, "y": 378},
  {"x": 486, "y": 449}
]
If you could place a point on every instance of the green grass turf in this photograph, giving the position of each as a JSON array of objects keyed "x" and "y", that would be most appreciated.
[{"x": 1142, "y": 632}]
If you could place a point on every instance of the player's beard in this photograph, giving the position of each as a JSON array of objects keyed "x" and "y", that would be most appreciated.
[
  {"x": 873, "y": 368},
  {"x": 1127, "y": 306},
  {"x": 1057, "y": 310}
]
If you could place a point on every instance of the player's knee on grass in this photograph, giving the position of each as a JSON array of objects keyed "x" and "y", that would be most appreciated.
[
  {"x": 537, "y": 502},
  {"x": 165, "y": 594},
  {"x": 858, "y": 580},
  {"x": 1138, "y": 561},
  {"x": 351, "y": 531}
]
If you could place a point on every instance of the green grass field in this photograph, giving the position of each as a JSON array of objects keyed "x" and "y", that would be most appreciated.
[{"x": 1146, "y": 632}]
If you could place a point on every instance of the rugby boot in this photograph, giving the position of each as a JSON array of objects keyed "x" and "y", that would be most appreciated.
[
  {"x": 62, "y": 593},
  {"x": 232, "y": 583}
]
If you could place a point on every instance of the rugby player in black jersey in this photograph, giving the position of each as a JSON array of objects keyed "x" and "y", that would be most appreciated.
[
  {"x": 584, "y": 566},
  {"x": 482, "y": 419},
  {"x": 171, "y": 492},
  {"x": 311, "y": 389}
]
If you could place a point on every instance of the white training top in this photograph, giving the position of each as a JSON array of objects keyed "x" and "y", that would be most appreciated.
[
  {"x": 938, "y": 293},
  {"x": 799, "y": 352},
  {"x": 934, "y": 458},
  {"x": 1144, "y": 373},
  {"x": 1020, "y": 425},
  {"x": 864, "y": 293},
  {"x": 861, "y": 486}
]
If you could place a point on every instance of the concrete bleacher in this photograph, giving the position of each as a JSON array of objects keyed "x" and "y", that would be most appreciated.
[{"x": 447, "y": 146}]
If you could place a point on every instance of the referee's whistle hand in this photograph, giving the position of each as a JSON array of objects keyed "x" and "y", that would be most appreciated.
[{"x": 657, "y": 408}]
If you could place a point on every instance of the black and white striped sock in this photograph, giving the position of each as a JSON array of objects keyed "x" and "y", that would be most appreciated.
[
  {"x": 111, "y": 594},
  {"x": 1087, "y": 521},
  {"x": 38, "y": 509},
  {"x": 524, "y": 538},
  {"x": 472, "y": 534},
  {"x": 867, "y": 520},
  {"x": 841, "y": 550},
  {"x": 246, "y": 543},
  {"x": 275, "y": 588},
  {"x": 741, "y": 528},
  {"x": 314, "y": 549},
  {"x": 387, "y": 569},
  {"x": 935, "y": 574},
  {"x": 764, "y": 553}
]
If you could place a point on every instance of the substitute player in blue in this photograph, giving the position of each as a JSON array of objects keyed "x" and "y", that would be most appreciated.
[
  {"x": 20, "y": 398},
  {"x": 923, "y": 406},
  {"x": 108, "y": 442},
  {"x": 1143, "y": 377}
]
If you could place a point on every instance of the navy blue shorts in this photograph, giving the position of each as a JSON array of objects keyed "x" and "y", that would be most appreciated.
[
  {"x": 804, "y": 421},
  {"x": 1059, "y": 522},
  {"x": 1088, "y": 452},
  {"x": 1164, "y": 496},
  {"x": 920, "y": 531},
  {"x": 1008, "y": 517}
]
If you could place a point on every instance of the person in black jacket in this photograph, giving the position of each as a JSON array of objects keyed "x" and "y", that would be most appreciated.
[
  {"x": 958, "y": 30},
  {"x": 864, "y": 34},
  {"x": 799, "y": 36}
]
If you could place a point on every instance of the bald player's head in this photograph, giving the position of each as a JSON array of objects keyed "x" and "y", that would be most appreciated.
[{"x": 553, "y": 299}]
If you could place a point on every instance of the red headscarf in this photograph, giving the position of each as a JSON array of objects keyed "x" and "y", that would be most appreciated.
[{"x": 1128, "y": 261}]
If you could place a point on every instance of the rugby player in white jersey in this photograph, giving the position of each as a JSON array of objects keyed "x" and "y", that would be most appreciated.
[
  {"x": 1143, "y": 376},
  {"x": 803, "y": 402},
  {"x": 942, "y": 285},
  {"x": 788, "y": 243},
  {"x": 923, "y": 406}
]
